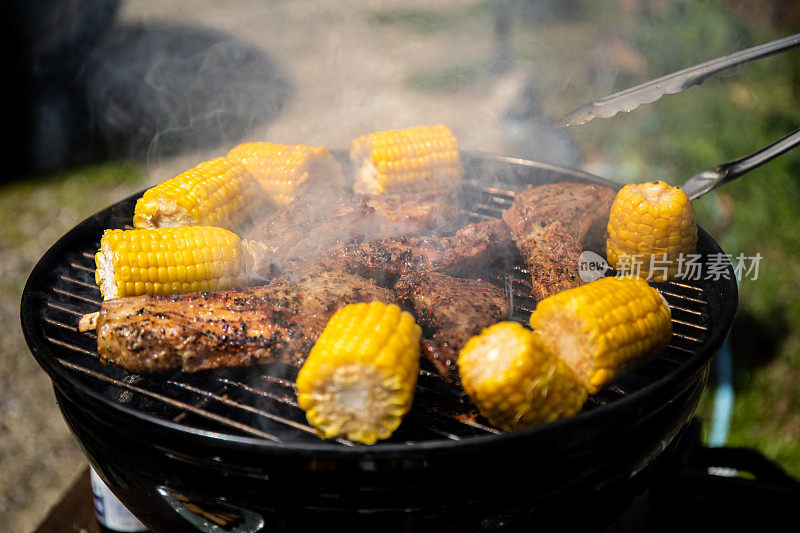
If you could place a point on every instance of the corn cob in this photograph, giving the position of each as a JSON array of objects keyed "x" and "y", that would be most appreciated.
[
  {"x": 220, "y": 192},
  {"x": 604, "y": 328},
  {"x": 650, "y": 226},
  {"x": 173, "y": 260},
  {"x": 414, "y": 159},
  {"x": 515, "y": 380},
  {"x": 358, "y": 381},
  {"x": 286, "y": 171}
]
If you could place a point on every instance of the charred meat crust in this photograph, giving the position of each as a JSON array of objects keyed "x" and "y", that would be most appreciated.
[
  {"x": 454, "y": 309},
  {"x": 468, "y": 251},
  {"x": 278, "y": 322},
  {"x": 552, "y": 225},
  {"x": 443, "y": 358}
]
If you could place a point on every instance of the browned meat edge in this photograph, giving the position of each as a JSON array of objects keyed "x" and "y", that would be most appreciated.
[
  {"x": 455, "y": 309},
  {"x": 471, "y": 249},
  {"x": 552, "y": 225},
  {"x": 278, "y": 322}
]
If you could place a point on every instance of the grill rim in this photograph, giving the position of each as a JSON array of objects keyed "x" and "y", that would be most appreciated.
[{"x": 724, "y": 298}]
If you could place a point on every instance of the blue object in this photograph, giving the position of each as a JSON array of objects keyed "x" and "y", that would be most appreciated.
[{"x": 723, "y": 397}]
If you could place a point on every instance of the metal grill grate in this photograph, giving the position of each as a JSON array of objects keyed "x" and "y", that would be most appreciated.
[{"x": 261, "y": 402}]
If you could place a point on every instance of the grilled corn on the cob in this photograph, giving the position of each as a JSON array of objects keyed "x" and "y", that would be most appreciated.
[
  {"x": 358, "y": 381},
  {"x": 220, "y": 192},
  {"x": 515, "y": 380},
  {"x": 172, "y": 260},
  {"x": 407, "y": 160},
  {"x": 650, "y": 226},
  {"x": 604, "y": 328},
  {"x": 285, "y": 171}
]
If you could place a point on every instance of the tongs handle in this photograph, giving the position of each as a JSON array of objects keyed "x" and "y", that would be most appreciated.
[{"x": 701, "y": 183}]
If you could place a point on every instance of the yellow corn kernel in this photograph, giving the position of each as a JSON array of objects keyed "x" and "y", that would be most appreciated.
[
  {"x": 413, "y": 159},
  {"x": 220, "y": 193},
  {"x": 650, "y": 226},
  {"x": 171, "y": 260},
  {"x": 604, "y": 328},
  {"x": 358, "y": 381},
  {"x": 286, "y": 171},
  {"x": 515, "y": 380}
]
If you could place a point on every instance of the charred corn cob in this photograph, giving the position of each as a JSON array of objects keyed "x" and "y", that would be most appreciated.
[
  {"x": 220, "y": 192},
  {"x": 650, "y": 226},
  {"x": 172, "y": 260},
  {"x": 604, "y": 328},
  {"x": 407, "y": 160},
  {"x": 285, "y": 171},
  {"x": 515, "y": 380},
  {"x": 358, "y": 381}
]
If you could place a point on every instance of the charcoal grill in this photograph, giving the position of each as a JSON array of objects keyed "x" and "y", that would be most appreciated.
[{"x": 230, "y": 449}]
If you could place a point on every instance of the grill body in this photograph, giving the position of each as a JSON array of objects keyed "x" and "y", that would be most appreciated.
[{"x": 229, "y": 448}]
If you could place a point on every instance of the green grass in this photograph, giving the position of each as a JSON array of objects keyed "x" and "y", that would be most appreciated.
[
  {"x": 419, "y": 21},
  {"x": 455, "y": 74},
  {"x": 30, "y": 204},
  {"x": 451, "y": 78},
  {"x": 36, "y": 211},
  {"x": 432, "y": 20}
]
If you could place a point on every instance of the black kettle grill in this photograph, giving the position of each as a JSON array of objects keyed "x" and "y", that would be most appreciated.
[{"x": 229, "y": 450}]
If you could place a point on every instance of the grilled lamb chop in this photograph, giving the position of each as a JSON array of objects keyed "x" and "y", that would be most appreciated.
[
  {"x": 278, "y": 322},
  {"x": 455, "y": 309},
  {"x": 470, "y": 250},
  {"x": 552, "y": 225},
  {"x": 319, "y": 220}
]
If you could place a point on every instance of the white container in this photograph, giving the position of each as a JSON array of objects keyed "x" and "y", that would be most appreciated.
[{"x": 109, "y": 510}]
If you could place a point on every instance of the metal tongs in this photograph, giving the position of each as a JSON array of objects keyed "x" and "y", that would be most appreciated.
[
  {"x": 674, "y": 83},
  {"x": 701, "y": 183},
  {"x": 677, "y": 82}
]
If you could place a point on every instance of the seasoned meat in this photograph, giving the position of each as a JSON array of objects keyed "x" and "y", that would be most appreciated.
[
  {"x": 454, "y": 309},
  {"x": 470, "y": 250},
  {"x": 196, "y": 331},
  {"x": 319, "y": 220},
  {"x": 552, "y": 225}
]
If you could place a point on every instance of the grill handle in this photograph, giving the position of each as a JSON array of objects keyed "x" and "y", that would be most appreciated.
[{"x": 704, "y": 182}]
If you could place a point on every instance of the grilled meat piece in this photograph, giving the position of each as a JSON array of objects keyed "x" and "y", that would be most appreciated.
[
  {"x": 278, "y": 322},
  {"x": 455, "y": 309},
  {"x": 470, "y": 250},
  {"x": 552, "y": 225},
  {"x": 319, "y": 220}
]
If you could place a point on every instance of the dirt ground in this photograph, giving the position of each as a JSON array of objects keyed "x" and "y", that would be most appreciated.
[{"x": 349, "y": 74}]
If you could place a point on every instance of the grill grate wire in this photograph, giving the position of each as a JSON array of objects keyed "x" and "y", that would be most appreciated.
[{"x": 262, "y": 403}]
